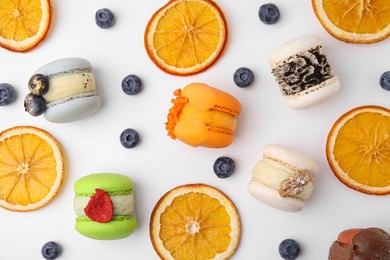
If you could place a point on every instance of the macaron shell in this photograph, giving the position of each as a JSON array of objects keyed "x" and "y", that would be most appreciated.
[
  {"x": 119, "y": 227},
  {"x": 292, "y": 47},
  {"x": 65, "y": 64},
  {"x": 302, "y": 101},
  {"x": 112, "y": 183},
  {"x": 73, "y": 108},
  {"x": 272, "y": 198},
  {"x": 291, "y": 158}
]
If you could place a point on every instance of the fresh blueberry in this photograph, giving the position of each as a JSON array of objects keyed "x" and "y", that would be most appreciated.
[
  {"x": 289, "y": 249},
  {"x": 129, "y": 138},
  {"x": 34, "y": 105},
  {"x": 384, "y": 80},
  {"x": 269, "y": 13},
  {"x": 131, "y": 85},
  {"x": 224, "y": 167},
  {"x": 104, "y": 18},
  {"x": 51, "y": 250},
  {"x": 38, "y": 84},
  {"x": 243, "y": 77},
  {"x": 7, "y": 94}
]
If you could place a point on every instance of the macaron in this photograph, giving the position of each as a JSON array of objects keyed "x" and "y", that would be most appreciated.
[
  {"x": 284, "y": 178},
  {"x": 303, "y": 72},
  {"x": 203, "y": 116},
  {"x": 358, "y": 243},
  {"x": 104, "y": 205},
  {"x": 68, "y": 89}
]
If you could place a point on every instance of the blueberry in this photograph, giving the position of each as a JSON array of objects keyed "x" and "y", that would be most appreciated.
[
  {"x": 289, "y": 249},
  {"x": 7, "y": 94},
  {"x": 243, "y": 77},
  {"x": 129, "y": 138},
  {"x": 224, "y": 167},
  {"x": 104, "y": 18},
  {"x": 34, "y": 105},
  {"x": 269, "y": 13},
  {"x": 131, "y": 85},
  {"x": 51, "y": 250},
  {"x": 38, "y": 84},
  {"x": 384, "y": 80}
]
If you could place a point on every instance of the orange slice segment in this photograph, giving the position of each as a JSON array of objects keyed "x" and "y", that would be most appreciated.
[
  {"x": 23, "y": 23},
  {"x": 358, "y": 149},
  {"x": 355, "y": 21},
  {"x": 31, "y": 168},
  {"x": 185, "y": 37},
  {"x": 195, "y": 221}
]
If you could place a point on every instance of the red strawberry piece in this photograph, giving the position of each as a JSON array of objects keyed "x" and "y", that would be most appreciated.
[{"x": 100, "y": 207}]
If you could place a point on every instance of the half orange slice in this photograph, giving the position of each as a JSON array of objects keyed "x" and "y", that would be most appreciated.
[
  {"x": 195, "y": 221},
  {"x": 31, "y": 168},
  {"x": 185, "y": 37},
  {"x": 354, "y": 21},
  {"x": 24, "y": 24},
  {"x": 358, "y": 149}
]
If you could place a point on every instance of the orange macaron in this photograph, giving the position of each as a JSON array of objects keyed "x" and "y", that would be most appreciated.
[{"x": 203, "y": 116}]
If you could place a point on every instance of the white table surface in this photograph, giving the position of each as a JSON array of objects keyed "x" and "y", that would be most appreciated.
[{"x": 159, "y": 163}]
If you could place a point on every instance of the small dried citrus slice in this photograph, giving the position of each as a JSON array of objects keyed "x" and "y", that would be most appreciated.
[
  {"x": 355, "y": 21},
  {"x": 31, "y": 168},
  {"x": 24, "y": 24},
  {"x": 358, "y": 149},
  {"x": 195, "y": 221},
  {"x": 185, "y": 37}
]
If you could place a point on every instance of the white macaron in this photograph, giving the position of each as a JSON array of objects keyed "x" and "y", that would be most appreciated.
[
  {"x": 72, "y": 93},
  {"x": 283, "y": 178},
  {"x": 303, "y": 73}
]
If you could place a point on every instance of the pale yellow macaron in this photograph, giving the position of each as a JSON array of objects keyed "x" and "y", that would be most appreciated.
[{"x": 283, "y": 178}]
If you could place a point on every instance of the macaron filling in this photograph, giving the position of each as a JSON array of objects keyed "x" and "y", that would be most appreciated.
[
  {"x": 123, "y": 204},
  {"x": 70, "y": 84},
  {"x": 273, "y": 174},
  {"x": 303, "y": 72}
]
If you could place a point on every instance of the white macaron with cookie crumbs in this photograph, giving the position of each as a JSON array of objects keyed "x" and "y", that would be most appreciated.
[
  {"x": 284, "y": 178},
  {"x": 303, "y": 72}
]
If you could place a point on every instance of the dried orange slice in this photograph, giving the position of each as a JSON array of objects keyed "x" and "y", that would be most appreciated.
[
  {"x": 195, "y": 221},
  {"x": 31, "y": 168},
  {"x": 355, "y": 21},
  {"x": 185, "y": 37},
  {"x": 358, "y": 149},
  {"x": 24, "y": 24}
]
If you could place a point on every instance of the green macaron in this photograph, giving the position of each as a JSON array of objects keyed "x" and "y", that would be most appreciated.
[{"x": 104, "y": 203}]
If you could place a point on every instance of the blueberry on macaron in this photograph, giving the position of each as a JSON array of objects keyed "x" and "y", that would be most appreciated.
[
  {"x": 269, "y": 13},
  {"x": 131, "y": 84},
  {"x": 38, "y": 84},
  {"x": 50, "y": 250},
  {"x": 34, "y": 105},
  {"x": 104, "y": 18},
  {"x": 224, "y": 167},
  {"x": 7, "y": 94}
]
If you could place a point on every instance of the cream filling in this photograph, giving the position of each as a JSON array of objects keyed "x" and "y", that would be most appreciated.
[
  {"x": 123, "y": 204},
  {"x": 64, "y": 86},
  {"x": 272, "y": 174}
]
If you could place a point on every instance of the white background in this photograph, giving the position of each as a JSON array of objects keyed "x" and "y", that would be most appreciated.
[{"x": 159, "y": 163}]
